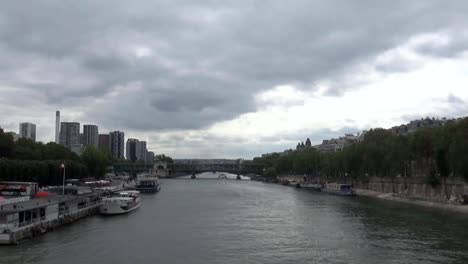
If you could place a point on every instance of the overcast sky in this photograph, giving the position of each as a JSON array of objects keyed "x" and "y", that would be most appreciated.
[{"x": 214, "y": 79}]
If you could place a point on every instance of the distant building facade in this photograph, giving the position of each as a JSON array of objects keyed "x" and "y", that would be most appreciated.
[
  {"x": 27, "y": 130},
  {"x": 117, "y": 143},
  {"x": 70, "y": 136},
  {"x": 131, "y": 149},
  {"x": 150, "y": 157},
  {"x": 136, "y": 150},
  {"x": 104, "y": 142},
  {"x": 90, "y": 135}
]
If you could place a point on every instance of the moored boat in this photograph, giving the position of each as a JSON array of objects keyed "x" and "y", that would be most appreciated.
[
  {"x": 312, "y": 186},
  {"x": 338, "y": 189},
  {"x": 147, "y": 183},
  {"x": 121, "y": 203}
]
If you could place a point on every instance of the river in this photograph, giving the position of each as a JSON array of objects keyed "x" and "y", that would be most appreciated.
[{"x": 229, "y": 221}]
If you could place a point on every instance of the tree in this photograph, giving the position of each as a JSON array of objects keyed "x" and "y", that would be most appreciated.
[
  {"x": 7, "y": 145},
  {"x": 96, "y": 161},
  {"x": 164, "y": 158}
]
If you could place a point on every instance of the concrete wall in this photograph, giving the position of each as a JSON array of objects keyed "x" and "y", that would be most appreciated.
[{"x": 416, "y": 188}]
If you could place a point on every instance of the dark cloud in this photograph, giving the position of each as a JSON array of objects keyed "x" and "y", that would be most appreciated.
[{"x": 183, "y": 64}]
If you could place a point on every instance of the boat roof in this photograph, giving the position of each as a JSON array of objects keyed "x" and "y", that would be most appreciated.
[
  {"x": 118, "y": 199},
  {"x": 29, "y": 204}
]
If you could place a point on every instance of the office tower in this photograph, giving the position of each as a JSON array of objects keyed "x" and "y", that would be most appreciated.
[
  {"x": 27, "y": 130},
  {"x": 90, "y": 135},
  {"x": 117, "y": 142},
  {"x": 70, "y": 135},
  {"x": 136, "y": 150},
  {"x": 150, "y": 157},
  {"x": 104, "y": 142}
]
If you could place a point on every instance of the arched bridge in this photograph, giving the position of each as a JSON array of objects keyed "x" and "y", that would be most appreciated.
[{"x": 193, "y": 166}]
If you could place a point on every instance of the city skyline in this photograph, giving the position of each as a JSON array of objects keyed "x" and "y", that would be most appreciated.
[{"x": 205, "y": 84}]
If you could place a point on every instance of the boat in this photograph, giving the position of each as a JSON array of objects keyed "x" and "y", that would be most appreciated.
[
  {"x": 338, "y": 189},
  {"x": 121, "y": 203},
  {"x": 222, "y": 176},
  {"x": 311, "y": 186},
  {"x": 147, "y": 183}
]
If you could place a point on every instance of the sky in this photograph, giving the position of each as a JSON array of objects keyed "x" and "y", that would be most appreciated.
[{"x": 231, "y": 79}]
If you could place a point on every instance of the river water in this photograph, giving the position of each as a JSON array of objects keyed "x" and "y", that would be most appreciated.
[{"x": 229, "y": 221}]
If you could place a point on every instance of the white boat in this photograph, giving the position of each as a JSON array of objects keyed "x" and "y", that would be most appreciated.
[
  {"x": 122, "y": 203},
  {"x": 148, "y": 183}
]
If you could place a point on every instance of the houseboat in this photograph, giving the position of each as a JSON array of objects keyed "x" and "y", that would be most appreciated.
[
  {"x": 121, "y": 203},
  {"x": 26, "y": 211},
  {"x": 338, "y": 189}
]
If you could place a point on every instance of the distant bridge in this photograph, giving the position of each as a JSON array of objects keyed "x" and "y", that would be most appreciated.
[
  {"x": 132, "y": 168},
  {"x": 193, "y": 166}
]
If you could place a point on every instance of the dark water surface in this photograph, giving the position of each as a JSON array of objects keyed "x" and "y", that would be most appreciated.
[{"x": 229, "y": 221}]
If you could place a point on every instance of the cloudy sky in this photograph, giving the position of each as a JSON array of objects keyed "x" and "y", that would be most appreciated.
[{"x": 231, "y": 78}]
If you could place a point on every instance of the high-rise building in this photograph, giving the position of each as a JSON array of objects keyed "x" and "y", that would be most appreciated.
[
  {"x": 141, "y": 151},
  {"x": 104, "y": 142},
  {"x": 117, "y": 142},
  {"x": 130, "y": 149},
  {"x": 27, "y": 130},
  {"x": 90, "y": 135},
  {"x": 136, "y": 150},
  {"x": 70, "y": 135},
  {"x": 57, "y": 127},
  {"x": 150, "y": 157}
]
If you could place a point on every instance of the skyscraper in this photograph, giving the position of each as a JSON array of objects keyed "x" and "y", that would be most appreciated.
[
  {"x": 104, "y": 142},
  {"x": 90, "y": 135},
  {"x": 130, "y": 149},
  {"x": 136, "y": 150},
  {"x": 141, "y": 151},
  {"x": 57, "y": 127},
  {"x": 27, "y": 130},
  {"x": 70, "y": 135},
  {"x": 117, "y": 142}
]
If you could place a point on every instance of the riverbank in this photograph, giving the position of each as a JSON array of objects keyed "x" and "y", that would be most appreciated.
[{"x": 396, "y": 198}]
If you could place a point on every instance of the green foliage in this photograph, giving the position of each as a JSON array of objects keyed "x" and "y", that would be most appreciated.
[
  {"x": 438, "y": 153},
  {"x": 45, "y": 172},
  {"x": 270, "y": 172},
  {"x": 96, "y": 161},
  {"x": 26, "y": 160},
  {"x": 164, "y": 158},
  {"x": 7, "y": 145}
]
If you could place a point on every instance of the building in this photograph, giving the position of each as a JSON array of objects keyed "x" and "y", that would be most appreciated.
[
  {"x": 150, "y": 157},
  {"x": 136, "y": 150},
  {"x": 90, "y": 135},
  {"x": 57, "y": 127},
  {"x": 141, "y": 151},
  {"x": 27, "y": 130},
  {"x": 131, "y": 149},
  {"x": 70, "y": 135},
  {"x": 104, "y": 142},
  {"x": 117, "y": 142}
]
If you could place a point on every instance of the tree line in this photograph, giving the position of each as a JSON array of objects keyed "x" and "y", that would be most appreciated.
[
  {"x": 435, "y": 154},
  {"x": 26, "y": 160}
]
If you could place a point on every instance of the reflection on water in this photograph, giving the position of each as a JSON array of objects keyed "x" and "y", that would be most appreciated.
[{"x": 229, "y": 221}]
